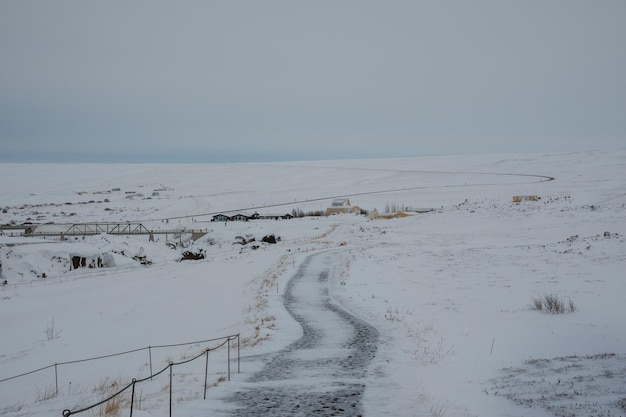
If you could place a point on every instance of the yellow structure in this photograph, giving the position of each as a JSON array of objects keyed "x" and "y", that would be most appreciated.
[
  {"x": 374, "y": 214},
  {"x": 397, "y": 215},
  {"x": 520, "y": 198}
]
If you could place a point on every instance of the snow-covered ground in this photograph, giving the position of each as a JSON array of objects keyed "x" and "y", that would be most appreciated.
[{"x": 452, "y": 291}]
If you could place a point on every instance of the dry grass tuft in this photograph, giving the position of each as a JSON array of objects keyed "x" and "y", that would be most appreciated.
[
  {"x": 112, "y": 407},
  {"x": 553, "y": 304},
  {"x": 47, "y": 392}
]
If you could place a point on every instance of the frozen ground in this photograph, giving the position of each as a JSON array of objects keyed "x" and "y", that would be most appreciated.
[{"x": 451, "y": 293}]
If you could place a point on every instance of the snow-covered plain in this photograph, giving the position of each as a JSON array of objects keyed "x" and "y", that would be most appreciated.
[{"x": 450, "y": 291}]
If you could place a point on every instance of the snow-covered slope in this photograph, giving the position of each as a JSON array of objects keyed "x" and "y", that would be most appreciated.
[{"x": 452, "y": 291}]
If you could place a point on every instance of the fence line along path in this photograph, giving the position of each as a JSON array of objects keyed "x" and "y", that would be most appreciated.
[{"x": 54, "y": 375}]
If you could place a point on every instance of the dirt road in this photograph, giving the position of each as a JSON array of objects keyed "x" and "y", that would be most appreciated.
[{"x": 323, "y": 372}]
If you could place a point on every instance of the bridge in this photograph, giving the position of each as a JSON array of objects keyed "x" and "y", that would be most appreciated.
[{"x": 91, "y": 229}]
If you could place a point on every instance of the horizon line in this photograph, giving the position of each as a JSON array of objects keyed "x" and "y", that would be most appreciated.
[{"x": 229, "y": 157}]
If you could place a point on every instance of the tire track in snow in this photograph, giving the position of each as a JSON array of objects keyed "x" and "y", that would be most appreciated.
[
  {"x": 323, "y": 372},
  {"x": 538, "y": 179}
]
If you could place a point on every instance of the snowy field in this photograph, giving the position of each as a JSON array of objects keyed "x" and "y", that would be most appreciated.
[{"x": 454, "y": 291}]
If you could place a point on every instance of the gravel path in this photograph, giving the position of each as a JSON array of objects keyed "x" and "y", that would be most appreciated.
[{"x": 323, "y": 372}]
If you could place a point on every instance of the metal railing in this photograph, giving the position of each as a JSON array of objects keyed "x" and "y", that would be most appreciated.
[{"x": 221, "y": 342}]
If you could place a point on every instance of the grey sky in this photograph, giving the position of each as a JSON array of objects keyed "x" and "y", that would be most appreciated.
[{"x": 274, "y": 80}]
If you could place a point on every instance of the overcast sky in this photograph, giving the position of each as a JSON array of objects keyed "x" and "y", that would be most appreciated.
[{"x": 293, "y": 80}]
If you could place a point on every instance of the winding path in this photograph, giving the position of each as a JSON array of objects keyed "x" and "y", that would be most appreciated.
[{"x": 322, "y": 373}]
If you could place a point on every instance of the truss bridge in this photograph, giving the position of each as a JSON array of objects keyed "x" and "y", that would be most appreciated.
[{"x": 89, "y": 229}]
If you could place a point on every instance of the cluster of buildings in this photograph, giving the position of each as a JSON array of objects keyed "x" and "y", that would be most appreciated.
[
  {"x": 240, "y": 217},
  {"x": 338, "y": 206}
]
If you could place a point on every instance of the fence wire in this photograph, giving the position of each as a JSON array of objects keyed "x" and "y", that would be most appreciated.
[
  {"x": 170, "y": 366},
  {"x": 116, "y": 354}
]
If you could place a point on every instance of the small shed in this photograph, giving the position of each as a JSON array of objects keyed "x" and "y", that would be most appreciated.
[
  {"x": 276, "y": 216},
  {"x": 520, "y": 198},
  {"x": 239, "y": 218},
  {"x": 220, "y": 218}
]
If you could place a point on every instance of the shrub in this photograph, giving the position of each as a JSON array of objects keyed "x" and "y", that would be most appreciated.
[
  {"x": 51, "y": 332},
  {"x": 394, "y": 315},
  {"x": 192, "y": 256},
  {"x": 270, "y": 239},
  {"x": 553, "y": 304}
]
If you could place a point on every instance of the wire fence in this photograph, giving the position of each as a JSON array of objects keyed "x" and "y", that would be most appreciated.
[{"x": 114, "y": 397}]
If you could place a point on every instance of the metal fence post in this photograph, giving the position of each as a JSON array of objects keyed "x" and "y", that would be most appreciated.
[
  {"x": 238, "y": 356},
  {"x": 132, "y": 398},
  {"x": 56, "y": 379},
  {"x": 171, "y": 388},
  {"x": 206, "y": 371},
  {"x": 150, "y": 357}
]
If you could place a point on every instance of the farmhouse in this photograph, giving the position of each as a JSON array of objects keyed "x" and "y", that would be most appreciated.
[
  {"x": 342, "y": 205},
  {"x": 234, "y": 218},
  {"x": 239, "y": 218},
  {"x": 220, "y": 218}
]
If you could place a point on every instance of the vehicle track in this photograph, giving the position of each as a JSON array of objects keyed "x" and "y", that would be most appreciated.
[
  {"x": 323, "y": 372},
  {"x": 536, "y": 177}
]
